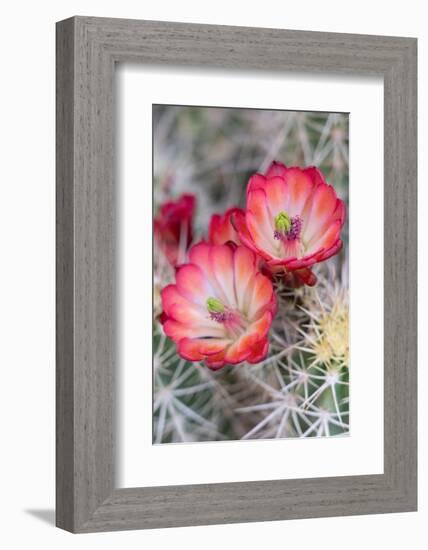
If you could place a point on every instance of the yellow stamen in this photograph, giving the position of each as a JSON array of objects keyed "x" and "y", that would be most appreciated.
[
  {"x": 282, "y": 222},
  {"x": 214, "y": 305}
]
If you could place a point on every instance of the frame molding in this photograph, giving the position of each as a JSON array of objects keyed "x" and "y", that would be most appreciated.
[{"x": 87, "y": 50}]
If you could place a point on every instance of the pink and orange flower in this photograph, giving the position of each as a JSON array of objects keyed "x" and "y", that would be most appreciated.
[
  {"x": 173, "y": 227},
  {"x": 221, "y": 307},
  {"x": 293, "y": 220}
]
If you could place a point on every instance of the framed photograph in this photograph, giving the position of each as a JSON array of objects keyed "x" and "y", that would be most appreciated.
[{"x": 236, "y": 274}]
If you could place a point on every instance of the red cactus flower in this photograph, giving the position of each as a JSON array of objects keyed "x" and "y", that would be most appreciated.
[
  {"x": 221, "y": 307},
  {"x": 221, "y": 229},
  {"x": 173, "y": 227},
  {"x": 293, "y": 219}
]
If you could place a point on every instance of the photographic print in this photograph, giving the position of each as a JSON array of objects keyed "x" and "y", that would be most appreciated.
[{"x": 250, "y": 276}]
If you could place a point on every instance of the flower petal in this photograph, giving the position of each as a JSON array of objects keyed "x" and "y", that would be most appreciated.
[
  {"x": 339, "y": 212},
  {"x": 177, "y": 331},
  {"x": 261, "y": 241},
  {"x": 261, "y": 295},
  {"x": 300, "y": 263},
  {"x": 260, "y": 222},
  {"x": 171, "y": 296},
  {"x": 260, "y": 328},
  {"x": 214, "y": 229},
  {"x": 193, "y": 285},
  {"x": 257, "y": 181},
  {"x": 189, "y": 315},
  {"x": 276, "y": 169},
  {"x": 200, "y": 255},
  {"x": 221, "y": 229},
  {"x": 257, "y": 204},
  {"x": 315, "y": 174},
  {"x": 236, "y": 353},
  {"x": 259, "y": 351},
  {"x": 221, "y": 260},
  {"x": 245, "y": 269},
  {"x": 216, "y": 362},
  {"x": 300, "y": 186},
  {"x": 197, "y": 349},
  {"x": 241, "y": 226},
  {"x": 244, "y": 347},
  {"x": 334, "y": 249},
  {"x": 173, "y": 227},
  {"x": 328, "y": 238},
  {"x": 277, "y": 194},
  {"x": 319, "y": 213}
]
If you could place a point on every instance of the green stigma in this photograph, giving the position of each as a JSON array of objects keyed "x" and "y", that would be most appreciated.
[
  {"x": 282, "y": 222},
  {"x": 214, "y": 305}
]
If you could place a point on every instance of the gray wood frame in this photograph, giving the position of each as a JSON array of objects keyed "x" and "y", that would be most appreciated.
[{"x": 87, "y": 50}]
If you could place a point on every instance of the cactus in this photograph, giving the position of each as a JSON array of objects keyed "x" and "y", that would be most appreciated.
[{"x": 301, "y": 389}]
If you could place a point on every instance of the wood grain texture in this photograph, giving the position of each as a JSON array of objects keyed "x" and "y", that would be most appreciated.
[
  {"x": 64, "y": 276},
  {"x": 87, "y": 50}
]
